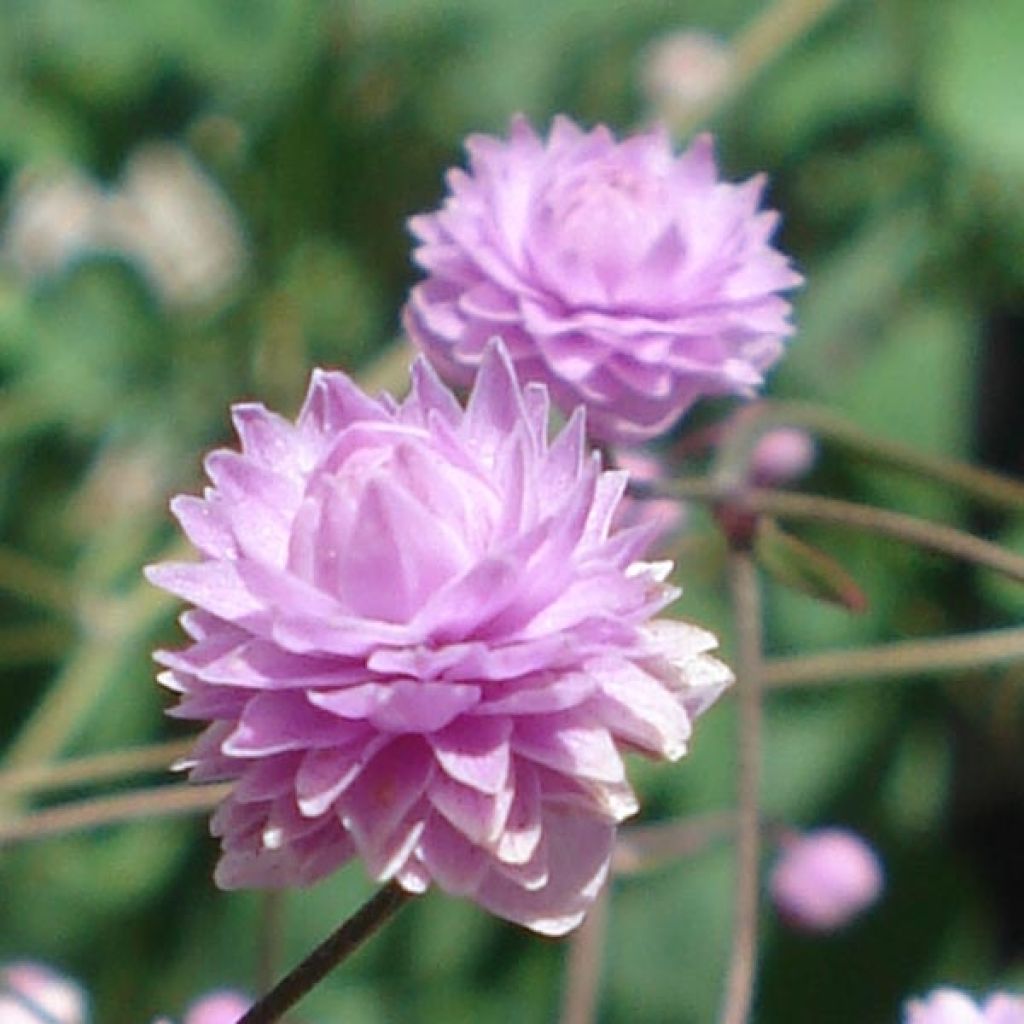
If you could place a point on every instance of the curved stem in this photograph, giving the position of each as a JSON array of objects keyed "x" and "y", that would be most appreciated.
[
  {"x": 922, "y": 533},
  {"x": 81, "y": 771},
  {"x": 739, "y": 990},
  {"x": 733, "y": 463},
  {"x": 909, "y": 657},
  {"x": 583, "y": 973},
  {"x": 641, "y": 847},
  {"x": 154, "y": 802},
  {"x": 328, "y": 955}
]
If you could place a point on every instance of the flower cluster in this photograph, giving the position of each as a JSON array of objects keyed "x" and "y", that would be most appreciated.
[
  {"x": 416, "y": 638},
  {"x": 630, "y": 280},
  {"x": 951, "y": 1006}
]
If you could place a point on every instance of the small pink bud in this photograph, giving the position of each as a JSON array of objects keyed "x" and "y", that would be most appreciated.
[
  {"x": 683, "y": 71},
  {"x": 667, "y": 514},
  {"x": 951, "y": 1006},
  {"x": 825, "y": 878},
  {"x": 223, "y": 1007},
  {"x": 782, "y": 455},
  {"x": 32, "y": 993}
]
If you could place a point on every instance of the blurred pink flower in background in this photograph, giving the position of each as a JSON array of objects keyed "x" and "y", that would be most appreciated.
[
  {"x": 218, "y": 1008},
  {"x": 418, "y": 641},
  {"x": 823, "y": 879},
  {"x": 629, "y": 279},
  {"x": 667, "y": 516},
  {"x": 32, "y": 993},
  {"x": 951, "y": 1006},
  {"x": 683, "y": 71}
]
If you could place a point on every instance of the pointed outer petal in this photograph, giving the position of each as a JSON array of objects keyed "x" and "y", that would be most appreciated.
[
  {"x": 570, "y": 743},
  {"x": 483, "y": 663},
  {"x": 456, "y": 864},
  {"x": 676, "y": 641},
  {"x": 382, "y": 808},
  {"x": 204, "y": 703},
  {"x": 612, "y": 802},
  {"x": 208, "y": 649},
  {"x": 280, "y": 589},
  {"x": 608, "y": 492},
  {"x": 206, "y": 749},
  {"x": 523, "y": 829},
  {"x": 495, "y": 403},
  {"x": 640, "y": 710},
  {"x": 532, "y": 873},
  {"x": 325, "y": 774},
  {"x": 240, "y": 479},
  {"x": 475, "y": 752},
  {"x": 200, "y": 625},
  {"x": 322, "y": 854},
  {"x": 261, "y": 528},
  {"x": 584, "y": 599},
  {"x": 625, "y": 546},
  {"x": 267, "y": 438},
  {"x": 391, "y": 564},
  {"x": 400, "y": 705},
  {"x": 175, "y": 682},
  {"x": 428, "y": 393},
  {"x": 480, "y": 817},
  {"x": 413, "y": 877},
  {"x": 267, "y": 779},
  {"x": 215, "y": 587},
  {"x": 706, "y": 680},
  {"x": 564, "y": 463},
  {"x": 333, "y": 402},
  {"x": 274, "y": 723},
  {"x": 681, "y": 662},
  {"x": 538, "y": 694},
  {"x": 538, "y": 411},
  {"x": 579, "y": 852},
  {"x": 205, "y": 526},
  {"x": 458, "y": 608},
  {"x": 262, "y": 665}
]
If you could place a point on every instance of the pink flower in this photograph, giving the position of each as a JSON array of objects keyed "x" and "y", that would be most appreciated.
[
  {"x": 628, "y": 279},
  {"x": 951, "y": 1006},
  {"x": 218, "y": 1008},
  {"x": 32, "y": 993},
  {"x": 825, "y": 878},
  {"x": 417, "y": 640}
]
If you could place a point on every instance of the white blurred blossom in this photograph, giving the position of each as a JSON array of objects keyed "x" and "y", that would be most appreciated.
[{"x": 683, "y": 71}]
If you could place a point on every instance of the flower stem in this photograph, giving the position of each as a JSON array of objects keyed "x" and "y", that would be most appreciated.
[
  {"x": 738, "y": 444},
  {"x": 583, "y": 972},
  {"x": 328, "y": 955},
  {"x": 922, "y": 533},
  {"x": 910, "y": 657},
  {"x": 82, "y": 771},
  {"x": 157, "y": 801},
  {"x": 739, "y": 990}
]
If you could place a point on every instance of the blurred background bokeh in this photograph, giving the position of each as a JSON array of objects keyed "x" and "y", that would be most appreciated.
[{"x": 203, "y": 199}]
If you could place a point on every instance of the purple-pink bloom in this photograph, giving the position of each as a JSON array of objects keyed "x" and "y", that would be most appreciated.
[
  {"x": 951, "y": 1006},
  {"x": 823, "y": 879},
  {"x": 224, "y": 1007},
  {"x": 32, "y": 993},
  {"x": 627, "y": 278},
  {"x": 417, "y": 640},
  {"x": 781, "y": 456}
]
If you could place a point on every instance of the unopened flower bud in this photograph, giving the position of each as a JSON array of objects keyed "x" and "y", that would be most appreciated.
[
  {"x": 824, "y": 879},
  {"x": 782, "y": 455},
  {"x": 223, "y": 1007},
  {"x": 683, "y": 71}
]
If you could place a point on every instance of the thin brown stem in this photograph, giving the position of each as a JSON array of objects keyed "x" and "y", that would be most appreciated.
[
  {"x": 154, "y": 802},
  {"x": 909, "y": 657},
  {"x": 583, "y": 971},
  {"x": 328, "y": 955},
  {"x": 733, "y": 463},
  {"x": 922, "y": 533},
  {"x": 84, "y": 771},
  {"x": 642, "y": 847},
  {"x": 739, "y": 990},
  {"x": 271, "y": 937}
]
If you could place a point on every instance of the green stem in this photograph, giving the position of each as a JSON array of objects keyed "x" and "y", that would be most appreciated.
[
  {"x": 83, "y": 771},
  {"x": 739, "y": 988},
  {"x": 905, "y": 658},
  {"x": 944, "y": 540},
  {"x": 328, "y": 955},
  {"x": 35, "y": 582},
  {"x": 737, "y": 447},
  {"x": 155, "y": 802}
]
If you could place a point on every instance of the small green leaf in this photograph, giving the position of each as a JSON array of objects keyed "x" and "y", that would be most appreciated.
[{"x": 797, "y": 564}]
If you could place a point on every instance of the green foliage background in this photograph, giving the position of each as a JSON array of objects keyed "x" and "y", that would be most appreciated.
[{"x": 893, "y": 135}]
